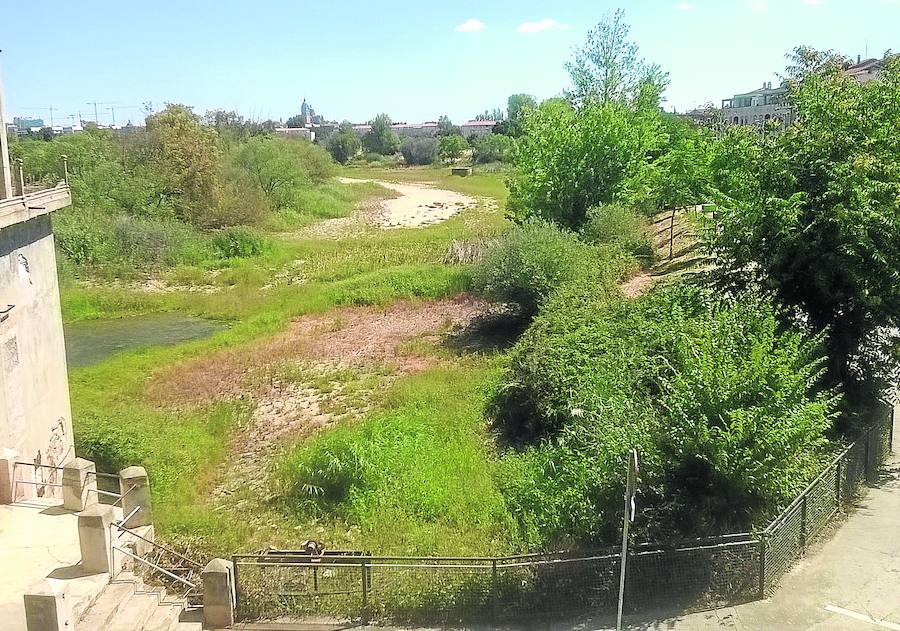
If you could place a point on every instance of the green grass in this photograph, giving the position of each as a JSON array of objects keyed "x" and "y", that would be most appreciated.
[
  {"x": 483, "y": 182},
  {"x": 417, "y": 477},
  {"x": 116, "y": 423}
]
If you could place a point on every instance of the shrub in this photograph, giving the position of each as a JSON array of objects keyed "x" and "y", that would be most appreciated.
[
  {"x": 720, "y": 401},
  {"x": 239, "y": 243},
  {"x": 616, "y": 224},
  {"x": 493, "y": 148},
  {"x": 343, "y": 144},
  {"x": 451, "y": 148},
  {"x": 419, "y": 150},
  {"x": 531, "y": 261},
  {"x": 570, "y": 160}
]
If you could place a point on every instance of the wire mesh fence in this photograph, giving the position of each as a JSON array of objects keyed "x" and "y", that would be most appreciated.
[{"x": 688, "y": 576}]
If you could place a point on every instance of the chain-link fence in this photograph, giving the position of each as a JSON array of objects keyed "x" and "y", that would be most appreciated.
[{"x": 688, "y": 576}]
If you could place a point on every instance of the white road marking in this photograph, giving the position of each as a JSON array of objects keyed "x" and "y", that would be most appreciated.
[{"x": 884, "y": 624}]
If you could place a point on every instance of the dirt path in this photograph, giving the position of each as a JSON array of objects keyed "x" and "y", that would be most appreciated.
[
  {"x": 417, "y": 204},
  {"x": 325, "y": 368}
]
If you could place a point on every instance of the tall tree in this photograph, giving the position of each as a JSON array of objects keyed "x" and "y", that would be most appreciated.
[
  {"x": 381, "y": 138},
  {"x": 813, "y": 215},
  {"x": 806, "y": 60},
  {"x": 344, "y": 143},
  {"x": 608, "y": 66},
  {"x": 188, "y": 154}
]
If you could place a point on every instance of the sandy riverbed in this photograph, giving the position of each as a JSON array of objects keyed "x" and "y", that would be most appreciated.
[{"x": 418, "y": 204}]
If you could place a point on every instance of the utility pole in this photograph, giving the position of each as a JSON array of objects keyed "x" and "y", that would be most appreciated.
[
  {"x": 50, "y": 109},
  {"x": 630, "y": 482},
  {"x": 95, "y": 104}
]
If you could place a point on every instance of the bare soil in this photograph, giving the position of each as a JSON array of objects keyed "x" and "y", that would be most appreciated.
[{"x": 325, "y": 368}]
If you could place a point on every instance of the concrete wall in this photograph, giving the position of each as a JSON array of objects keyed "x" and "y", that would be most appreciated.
[{"x": 35, "y": 416}]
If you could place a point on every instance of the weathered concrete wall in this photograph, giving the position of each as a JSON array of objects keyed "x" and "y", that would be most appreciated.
[{"x": 35, "y": 415}]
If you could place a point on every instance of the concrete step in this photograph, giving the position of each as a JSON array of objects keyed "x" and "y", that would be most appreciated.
[
  {"x": 165, "y": 618},
  {"x": 111, "y": 599},
  {"x": 134, "y": 614}
]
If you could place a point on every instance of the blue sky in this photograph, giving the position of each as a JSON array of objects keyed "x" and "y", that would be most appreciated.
[{"x": 414, "y": 60}]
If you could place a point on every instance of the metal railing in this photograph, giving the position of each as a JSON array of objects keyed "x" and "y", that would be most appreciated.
[
  {"x": 687, "y": 575},
  {"x": 166, "y": 564}
]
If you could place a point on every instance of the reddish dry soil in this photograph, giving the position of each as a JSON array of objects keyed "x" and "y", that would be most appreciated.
[{"x": 349, "y": 335}]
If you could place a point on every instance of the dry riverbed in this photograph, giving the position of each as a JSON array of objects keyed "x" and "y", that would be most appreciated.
[{"x": 416, "y": 205}]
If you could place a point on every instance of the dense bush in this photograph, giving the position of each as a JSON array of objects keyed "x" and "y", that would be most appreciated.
[
  {"x": 343, "y": 144},
  {"x": 571, "y": 160},
  {"x": 92, "y": 238},
  {"x": 419, "y": 150},
  {"x": 718, "y": 398},
  {"x": 813, "y": 214},
  {"x": 239, "y": 243},
  {"x": 617, "y": 224},
  {"x": 452, "y": 147},
  {"x": 531, "y": 261},
  {"x": 381, "y": 138},
  {"x": 493, "y": 148}
]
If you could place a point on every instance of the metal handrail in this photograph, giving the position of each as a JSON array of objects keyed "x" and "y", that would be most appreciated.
[
  {"x": 123, "y": 495},
  {"x": 129, "y": 516},
  {"x": 102, "y": 492},
  {"x": 155, "y": 567},
  {"x": 53, "y": 484},
  {"x": 155, "y": 544}
]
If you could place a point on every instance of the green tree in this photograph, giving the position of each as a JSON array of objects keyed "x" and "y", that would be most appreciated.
[
  {"x": 608, "y": 67},
  {"x": 813, "y": 214},
  {"x": 419, "y": 150},
  {"x": 806, "y": 60},
  {"x": 344, "y": 143},
  {"x": 187, "y": 154},
  {"x": 295, "y": 121},
  {"x": 493, "y": 148},
  {"x": 381, "y": 138},
  {"x": 451, "y": 148},
  {"x": 446, "y": 127},
  {"x": 570, "y": 160}
]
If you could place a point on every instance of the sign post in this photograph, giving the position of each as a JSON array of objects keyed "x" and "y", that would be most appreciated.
[{"x": 630, "y": 483}]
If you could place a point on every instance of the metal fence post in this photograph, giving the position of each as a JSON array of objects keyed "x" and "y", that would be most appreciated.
[
  {"x": 364, "y": 574},
  {"x": 237, "y": 589},
  {"x": 494, "y": 594},
  {"x": 837, "y": 484},
  {"x": 867, "y": 455},
  {"x": 803, "y": 523},
  {"x": 762, "y": 565}
]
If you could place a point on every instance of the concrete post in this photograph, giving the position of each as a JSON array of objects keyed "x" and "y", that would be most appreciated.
[
  {"x": 7, "y": 475},
  {"x": 94, "y": 538},
  {"x": 135, "y": 490},
  {"x": 20, "y": 178},
  {"x": 79, "y": 485},
  {"x": 218, "y": 594},
  {"x": 46, "y": 609}
]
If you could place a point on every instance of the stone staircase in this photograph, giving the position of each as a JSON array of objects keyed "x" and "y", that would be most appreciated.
[{"x": 127, "y": 604}]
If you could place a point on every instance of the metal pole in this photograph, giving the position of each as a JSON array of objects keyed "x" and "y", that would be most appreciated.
[
  {"x": 65, "y": 161},
  {"x": 365, "y": 592},
  {"x": 237, "y": 589},
  {"x": 803, "y": 524},
  {"x": 762, "y": 565},
  {"x": 626, "y": 521}
]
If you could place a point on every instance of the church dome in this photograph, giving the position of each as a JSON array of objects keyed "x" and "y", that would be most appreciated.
[{"x": 305, "y": 108}]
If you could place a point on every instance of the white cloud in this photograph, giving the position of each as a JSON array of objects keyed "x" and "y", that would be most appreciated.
[
  {"x": 542, "y": 25},
  {"x": 684, "y": 6},
  {"x": 470, "y": 26}
]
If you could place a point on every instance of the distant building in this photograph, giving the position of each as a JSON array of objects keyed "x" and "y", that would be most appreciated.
[
  {"x": 865, "y": 71},
  {"x": 768, "y": 103},
  {"x": 759, "y": 106},
  {"x": 477, "y": 128},
  {"x": 23, "y": 123},
  {"x": 428, "y": 129},
  {"x": 296, "y": 132}
]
